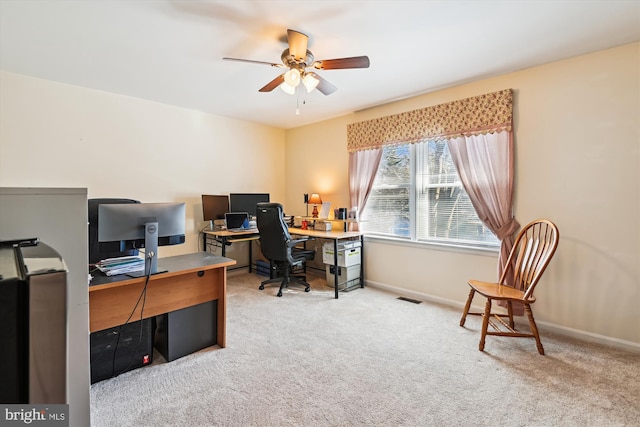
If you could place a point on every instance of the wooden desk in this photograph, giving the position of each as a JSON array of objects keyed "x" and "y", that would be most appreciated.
[
  {"x": 331, "y": 234},
  {"x": 190, "y": 280},
  {"x": 335, "y": 235}
]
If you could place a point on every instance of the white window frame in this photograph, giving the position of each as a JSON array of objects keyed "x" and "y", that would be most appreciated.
[{"x": 414, "y": 190}]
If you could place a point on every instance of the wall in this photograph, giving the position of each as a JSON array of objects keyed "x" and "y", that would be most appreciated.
[
  {"x": 576, "y": 125},
  {"x": 577, "y": 163},
  {"x": 58, "y": 135},
  {"x": 316, "y": 164}
]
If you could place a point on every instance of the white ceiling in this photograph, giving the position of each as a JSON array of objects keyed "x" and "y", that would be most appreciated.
[{"x": 171, "y": 51}]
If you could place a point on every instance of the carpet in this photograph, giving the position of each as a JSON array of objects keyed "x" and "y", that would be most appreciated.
[{"x": 370, "y": 359}]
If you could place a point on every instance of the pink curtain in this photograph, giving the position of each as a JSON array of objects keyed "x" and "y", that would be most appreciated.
[
  {"x": 363, "y": 166},
  {"x": 485, "y": 165}
]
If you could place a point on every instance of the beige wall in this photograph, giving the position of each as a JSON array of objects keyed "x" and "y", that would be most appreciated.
[
  {"x": 577, "y": 125},
  {"x": 317, "y": 163},
  {"x": 577, "y": 163},
  {"x": 57, "y": 135}
]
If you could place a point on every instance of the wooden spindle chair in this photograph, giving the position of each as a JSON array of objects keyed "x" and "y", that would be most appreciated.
[{"x": 534, "y": 247}]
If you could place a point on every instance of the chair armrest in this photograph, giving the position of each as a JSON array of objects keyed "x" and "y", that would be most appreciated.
[{"x": 295, "y": 242}]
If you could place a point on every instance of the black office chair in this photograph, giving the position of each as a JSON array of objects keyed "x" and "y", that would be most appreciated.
[{"x": 279, "y": 248}]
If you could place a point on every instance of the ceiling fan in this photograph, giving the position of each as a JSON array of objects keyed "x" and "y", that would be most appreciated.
[{"x": 297, "y": 59}]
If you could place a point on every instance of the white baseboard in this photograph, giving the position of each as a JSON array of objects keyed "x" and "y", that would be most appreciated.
[{"x": 558, "y": 329}]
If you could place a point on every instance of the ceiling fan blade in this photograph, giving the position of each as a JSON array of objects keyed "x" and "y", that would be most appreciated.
[
  {"x": 254, "y": 62},
  {"x": 342, "y": 63},
  {"x": 297, "y": 44},
  {"x": 272, "y": 84},
  {"x": 323, "y": 85}
]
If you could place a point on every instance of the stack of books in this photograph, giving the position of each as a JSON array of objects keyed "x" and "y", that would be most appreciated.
[{"x": 120, "y": 265}]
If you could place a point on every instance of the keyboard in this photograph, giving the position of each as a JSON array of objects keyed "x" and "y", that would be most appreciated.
[{"x": 237, "y": 230}]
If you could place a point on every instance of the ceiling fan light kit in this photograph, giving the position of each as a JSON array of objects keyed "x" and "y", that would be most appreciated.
[
  {"x": 310, "y": 82},
  {"x": 292, "y": 77},
  {"x": 292, "y": 80},
  {"x": 297, "y": 59},
  {"x": 291, "y": 90}
]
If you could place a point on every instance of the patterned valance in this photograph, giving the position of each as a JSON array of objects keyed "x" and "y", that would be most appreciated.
[{"x": 491, "y": 112}]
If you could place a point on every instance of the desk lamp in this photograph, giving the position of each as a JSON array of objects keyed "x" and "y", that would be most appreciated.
[{"x": 315, "y": 200}]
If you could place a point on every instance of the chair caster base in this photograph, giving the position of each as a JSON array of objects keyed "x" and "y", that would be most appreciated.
[{"x": 284, "y": 283}]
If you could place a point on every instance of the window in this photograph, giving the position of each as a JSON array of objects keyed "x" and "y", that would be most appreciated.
[{"x": 417, "y": 195}]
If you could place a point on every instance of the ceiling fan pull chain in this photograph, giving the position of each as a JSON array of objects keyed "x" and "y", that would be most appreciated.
[{"x": 297, "y": 101}]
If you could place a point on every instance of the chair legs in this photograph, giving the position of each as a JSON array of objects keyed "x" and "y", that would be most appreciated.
[
  {"x": 485, "y": 323},
  {"x": 534, "y": 328},
  {"x": 500, "y": 325},
  {"x": 510, "y": 313},
  {"x": 287, "y": 278},
  {"x": 300, "y": 280},
  {"x": 467, "y": 306},
  {"x": 269, "y": 281}
]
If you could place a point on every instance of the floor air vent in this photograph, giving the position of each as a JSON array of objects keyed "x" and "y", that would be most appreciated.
[{"x": 415, "y": 301}]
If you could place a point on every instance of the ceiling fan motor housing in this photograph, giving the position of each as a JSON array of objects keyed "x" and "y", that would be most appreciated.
[{"x": 290, "y": 61}]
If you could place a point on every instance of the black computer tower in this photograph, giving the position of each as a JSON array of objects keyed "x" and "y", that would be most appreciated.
[
  {"x": 186, "y": 331},
  {"x": 121, "y": 349}
]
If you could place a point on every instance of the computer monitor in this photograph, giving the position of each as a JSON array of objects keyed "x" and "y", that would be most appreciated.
[
  {"x": 214, "y": 207},
  {"x": 99, "y": 251},
  {"x": 143, "y": 225},
  {"x": 246, "y": 202}
]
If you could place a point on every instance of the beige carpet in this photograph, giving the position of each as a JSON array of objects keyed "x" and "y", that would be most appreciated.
[{"x": 369, "y": 359}]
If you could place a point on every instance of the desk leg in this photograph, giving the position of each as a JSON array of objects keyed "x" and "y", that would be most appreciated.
[
  {"x": 250, "y": 243},
  {"x": 335, "y": 266},
  {"x": 361, "y": 261},
  {"x": 222, "y": 309},
  {"x": 224, "y": 245}
]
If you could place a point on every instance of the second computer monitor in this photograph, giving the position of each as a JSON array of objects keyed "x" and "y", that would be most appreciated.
[
  {"x": 246, "y": 202},
  {"x": 214, "y": 207}
]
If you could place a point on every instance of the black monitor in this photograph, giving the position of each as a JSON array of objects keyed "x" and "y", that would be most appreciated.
[
  {"x": 99, "y": 251},
  {"x": 246, "y": 202},
  {"x": 214, "y": 207},
  {"x": 143, "y": 225}
]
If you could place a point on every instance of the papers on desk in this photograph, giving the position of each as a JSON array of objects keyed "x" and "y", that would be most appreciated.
[
  {"x": 324, "y": 212},
  {"x": 120, "y": 265}
]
